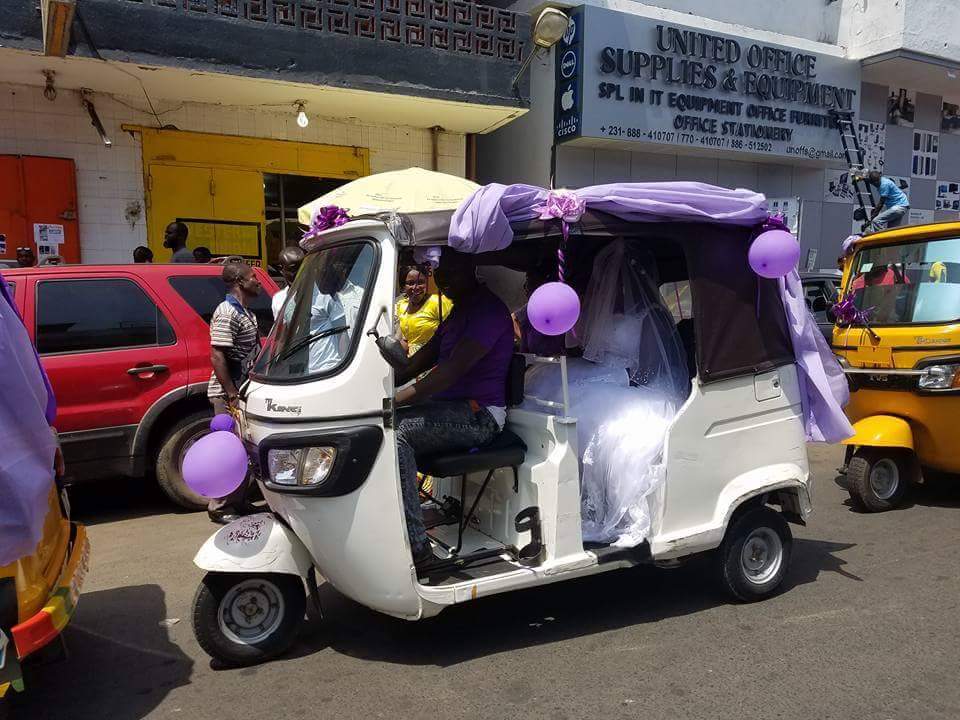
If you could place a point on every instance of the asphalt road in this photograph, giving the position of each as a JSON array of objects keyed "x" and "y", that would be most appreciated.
[{"x": 866, "y": 627}]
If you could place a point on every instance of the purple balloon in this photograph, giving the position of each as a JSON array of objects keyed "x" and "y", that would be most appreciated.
[
  {"x": 553, "y": 308},
  {"x": 774, "y": 253},
  {"x": 223, "y": 421},
  {"x": 215, "y": 465}
]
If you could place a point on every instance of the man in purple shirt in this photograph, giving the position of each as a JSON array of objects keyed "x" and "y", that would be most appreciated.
[{"x": 461, "y": 401}]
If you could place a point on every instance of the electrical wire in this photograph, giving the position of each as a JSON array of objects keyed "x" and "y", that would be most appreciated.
[
  {"x": 96, "y": 54},
  {"x": 153, "y": 111}
]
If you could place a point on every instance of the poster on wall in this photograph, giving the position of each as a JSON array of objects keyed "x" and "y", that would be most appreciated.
[
  {"x": 837, "y": 187},
  {"x": 901, "y": 107},
  {"x": 950, "y": 119},
  {"x": 873, "y": 141},
  {"x": 48, "y": 234},
  {"x": 948, "y": 195},
  {"x": 919, "y": 217},
  {"x": 789, "y": 207},
  {"x": 926, "y": 150},
  {"x": 48, "y": 238}
]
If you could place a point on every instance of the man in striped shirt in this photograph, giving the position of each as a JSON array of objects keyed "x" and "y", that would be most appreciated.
[{"x": 234, "y": 340}]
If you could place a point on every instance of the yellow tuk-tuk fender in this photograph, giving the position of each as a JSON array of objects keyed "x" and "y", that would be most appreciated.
[{"x": 882, "y": 431}]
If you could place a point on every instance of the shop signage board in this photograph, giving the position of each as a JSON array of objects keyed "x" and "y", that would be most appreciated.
[{"x": 641, "y": 80}]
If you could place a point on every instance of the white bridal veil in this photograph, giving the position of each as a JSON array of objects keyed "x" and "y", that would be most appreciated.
[{"x": 624, "y": 392}]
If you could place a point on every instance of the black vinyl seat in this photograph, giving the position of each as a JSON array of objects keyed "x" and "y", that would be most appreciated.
[{"x": 506, "y": 450}]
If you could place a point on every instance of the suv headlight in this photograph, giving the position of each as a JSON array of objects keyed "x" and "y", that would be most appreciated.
[
  {"x": 300, "y": 466},
  {"x": 940, "y": 377}
]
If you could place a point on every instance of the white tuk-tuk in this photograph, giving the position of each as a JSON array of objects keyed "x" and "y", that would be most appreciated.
[{"x": 728, "y": 470}]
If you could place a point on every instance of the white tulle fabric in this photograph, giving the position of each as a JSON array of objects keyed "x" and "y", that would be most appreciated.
[{"x": 624, "y": 392}]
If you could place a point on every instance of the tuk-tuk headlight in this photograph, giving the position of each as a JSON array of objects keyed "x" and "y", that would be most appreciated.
[
  {"x": 300, "y": 466},
  {"x": 940, "y": 377}
]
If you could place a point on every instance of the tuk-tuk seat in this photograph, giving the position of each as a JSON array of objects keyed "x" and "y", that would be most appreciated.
[{"x": 506, "y": 450}]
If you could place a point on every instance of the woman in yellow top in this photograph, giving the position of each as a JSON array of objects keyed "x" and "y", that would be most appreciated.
[{"x": 418, "y": 312}]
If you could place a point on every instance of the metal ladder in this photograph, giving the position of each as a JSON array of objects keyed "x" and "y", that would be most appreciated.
[{"x": 845, "y": 123}]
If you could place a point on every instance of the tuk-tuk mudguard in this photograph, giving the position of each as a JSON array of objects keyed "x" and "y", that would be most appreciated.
[
  {"x": 254, "y": 544},
  {"x": 882, "y": 431},
  {"x": 787, "y": 477}
]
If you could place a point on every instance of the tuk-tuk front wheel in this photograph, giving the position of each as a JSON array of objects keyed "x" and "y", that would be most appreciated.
[
  {"x": 755, "y": 554},
  {"x": 244, "y": 619},
  {"x": 877, "y": 479}
]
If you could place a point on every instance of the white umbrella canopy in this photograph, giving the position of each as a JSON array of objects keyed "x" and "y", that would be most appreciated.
[{"x": 410, "y": 190}]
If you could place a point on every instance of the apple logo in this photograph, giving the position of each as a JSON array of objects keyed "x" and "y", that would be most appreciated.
[{"x": 566, "y": 100}]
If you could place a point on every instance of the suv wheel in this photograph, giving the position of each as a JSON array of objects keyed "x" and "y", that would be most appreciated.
[{"x": 174, "y": 445}]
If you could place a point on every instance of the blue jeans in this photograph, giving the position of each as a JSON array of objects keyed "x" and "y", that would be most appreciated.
[
  {"x": 889, "y": 218},
  {"x": 430, "y": 429}
]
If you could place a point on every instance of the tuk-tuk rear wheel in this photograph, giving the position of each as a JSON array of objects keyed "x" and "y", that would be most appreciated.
[
  {"x": 755, "y": 554},
  {"x": 877, "y": 478},
  {"x": 245, "y": 618}
]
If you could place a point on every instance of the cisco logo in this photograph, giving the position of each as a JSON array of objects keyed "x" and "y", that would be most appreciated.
[{"x": 568, "y": 64}]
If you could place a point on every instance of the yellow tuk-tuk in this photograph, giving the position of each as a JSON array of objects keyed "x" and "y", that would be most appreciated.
[
  {"x": 898, "y": 338},
  {"x": 38, "y": 592}
]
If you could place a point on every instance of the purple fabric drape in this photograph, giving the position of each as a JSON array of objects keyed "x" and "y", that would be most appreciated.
[
  {"x": 26, "y": 462},
  {"x": 482, "y": 223}
]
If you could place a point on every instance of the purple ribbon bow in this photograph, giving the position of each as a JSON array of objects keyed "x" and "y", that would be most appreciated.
[
  {"x": 777, "y": 221},
  {"x": 847, "y": 313},
  {"x": 329, "y": 216},
  {"x": 564, "y": 206}
]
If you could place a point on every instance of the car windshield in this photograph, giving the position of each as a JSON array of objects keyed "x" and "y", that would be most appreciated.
[
  {"x": 911, "y": 283},
  {"x": 320, "y": 320}
]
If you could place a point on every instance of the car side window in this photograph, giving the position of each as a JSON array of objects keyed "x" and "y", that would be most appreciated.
[
  {"x": 90, "y": 315},
  {"x": 204, "y": 292},
  {"x": 812, "y": 291}
]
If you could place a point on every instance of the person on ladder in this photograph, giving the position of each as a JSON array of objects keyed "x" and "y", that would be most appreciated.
[{"x": 892, "y": 206}]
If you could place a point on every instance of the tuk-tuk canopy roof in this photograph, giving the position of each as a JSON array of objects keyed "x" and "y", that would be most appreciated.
[
  {"x": 904, "y": 233},
  {"x": 490, "y": 218}
]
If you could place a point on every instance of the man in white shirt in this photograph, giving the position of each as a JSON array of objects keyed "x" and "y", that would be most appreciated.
[
  {"x": 335, "y": 309},
  {"x": 290, "y": 259}
]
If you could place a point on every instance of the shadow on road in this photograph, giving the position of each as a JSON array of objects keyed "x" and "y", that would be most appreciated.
[
  {"x": 120, "y": 663},
  {"x": 93, "y": 503},
  {"x": 938, "y": 490},
  {"x": 523, "y": 619}
]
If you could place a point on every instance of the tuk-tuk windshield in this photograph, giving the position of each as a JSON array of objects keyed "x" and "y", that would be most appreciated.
[
  {"x": 319, "y": 323},
  {"x": 916, "y": 282}
]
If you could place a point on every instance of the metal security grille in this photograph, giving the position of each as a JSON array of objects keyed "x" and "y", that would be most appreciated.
[{"x": 454, "y": 26}]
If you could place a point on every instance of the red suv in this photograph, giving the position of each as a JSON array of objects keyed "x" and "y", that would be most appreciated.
[{"x": 127, "y": 349}]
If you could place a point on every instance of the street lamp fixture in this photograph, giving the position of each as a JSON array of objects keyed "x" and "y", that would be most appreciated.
[{"x": 550, "y": 26}]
